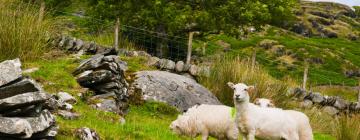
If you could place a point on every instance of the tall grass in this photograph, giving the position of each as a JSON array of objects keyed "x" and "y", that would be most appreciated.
[
  {"x": 348, "y": 128},
  {"x": 227, "y": 69},
  {"x": 21, "y": 34}
]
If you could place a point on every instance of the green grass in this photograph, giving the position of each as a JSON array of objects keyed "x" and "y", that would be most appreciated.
[{"x": 319, "y": 136}]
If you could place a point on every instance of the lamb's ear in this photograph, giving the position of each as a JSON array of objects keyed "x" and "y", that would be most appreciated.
[
  {"x": 257, "y": 101},
  {"x": 231, "y": 85},
  {"x": 271, "y": 103},
  {"x": 251, "y": 89}
]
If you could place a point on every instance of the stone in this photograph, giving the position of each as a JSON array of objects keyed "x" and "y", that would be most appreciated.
[
  {"x": 306, "y": 104},
  {"x": 267, "y": 43},
  {"x": 25, "y": 127},
  {"x": 20, "y": 86},
  {"x": 70, "y": 44},
  {"x": 330, "y": 110},
  {"x": 53, "y": 104},
  {"x": 78, "y": 45},
  {"x": 107, "y": 105},
  {"x": 10, "y": 71},
  {"x": 28, "y": 111},
  {"x": 179, "y": 67},
  {"x": 89, "y": 64},
  {"x": 66, "y": 97},
  {"x": 194, "y": 70},
  {"x": 31, "y": 70},
  {"x": 21, "y": 100},
  {"x": 341, "y": 104},
  {"x": 68, "y": 115},
  {"x": 317, "y": 98},
  {"x": 166, "y": 64},
  {"x": 87, "y": 134},
  {"x": 132, "y": 54},
  {"x": 173, "y": 89},
  {"x": 152, "y": 61},
  {"x": 187, "y": 67},
  {"x": 47, "y": 134},
  {"x": 143, "y": 53}
]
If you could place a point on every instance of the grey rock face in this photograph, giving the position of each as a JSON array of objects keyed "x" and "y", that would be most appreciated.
[
  {"x": 23, "y": 86},
  {"x": 176, "y": 90},
  {"x": 68, "y": 115},
  {"x": 306, "y": 104},
  {"x": 87, "y": 134},
  {"x": 107, "y": 105},
  {"x": 22, "y": 100},
  {"x": 10, "y": 71},
  {"x": 166, "y": 64},
  {"x": 152, "y": 61},
  {"x": 25, "y": 127},
  {"x": 179, "y": 67},
  {"x": 66, "y": 97}
]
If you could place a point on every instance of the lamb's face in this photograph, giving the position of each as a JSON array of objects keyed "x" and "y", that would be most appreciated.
[
  {"x": 240, "y": 91},
  {"x": 175, "y": 126},
  {"x": 262, "y": 102}
]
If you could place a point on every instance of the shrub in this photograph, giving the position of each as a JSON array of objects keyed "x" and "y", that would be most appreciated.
[
  {"x": 227, "y": 69},
  {"x": 21, "y": 34}
]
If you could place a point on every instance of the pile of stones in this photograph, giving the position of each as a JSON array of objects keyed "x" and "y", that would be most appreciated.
[
  {"x": 105, "y": 75},
  {"x": 179, "y": 67},
  {"x": 81, "y": 47},
  {"x": 331, "y": 104},
  {"x": 23, "y": 112}
]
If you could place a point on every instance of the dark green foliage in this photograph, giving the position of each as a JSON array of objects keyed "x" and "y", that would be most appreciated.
[{"x": 179, "y": 17}]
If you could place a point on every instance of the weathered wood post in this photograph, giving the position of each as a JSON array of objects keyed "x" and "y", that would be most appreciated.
[
  {"x": 189, "y": 49},
  {"x": 306, "y": 69},
  {"x": 116, "y": 39},
  {"x": 253, "y": 60},
  {"x": 204, "y": 48},
  {"x": 359, "y": 91},
  {"x": 41, "y": 11}
]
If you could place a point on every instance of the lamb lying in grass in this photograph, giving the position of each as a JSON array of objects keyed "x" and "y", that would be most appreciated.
[
  {"x": 302, "y": 120},
  {"x": 264, "y": 123},
  {"x": 207, "y": 120}
]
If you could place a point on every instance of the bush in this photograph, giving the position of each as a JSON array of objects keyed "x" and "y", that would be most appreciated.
[
  {"x": 21, "y": 35},
  {"x": 227, "y": 69}
]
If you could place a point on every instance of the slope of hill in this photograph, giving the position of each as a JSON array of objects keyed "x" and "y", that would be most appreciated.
[{"x": 325, "y": 37}]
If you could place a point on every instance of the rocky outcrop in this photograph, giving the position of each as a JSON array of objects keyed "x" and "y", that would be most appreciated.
[
  {"x": 173, "y": 89},
  {"x": 105, "y": 75},
  {"x": 22, "y": 106},
  {"x": 87, "y": 134}
]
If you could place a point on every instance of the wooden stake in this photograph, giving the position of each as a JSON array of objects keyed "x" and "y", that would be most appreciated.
[
  {"x": 253, "y": 60},
  {"x": 41, "y": 11},
  {"x": 188, "y": 58},
  {"x": 359, "y": 91},
  {"x": 116, "y": 39},
  {"x": 305, "y": 75}
]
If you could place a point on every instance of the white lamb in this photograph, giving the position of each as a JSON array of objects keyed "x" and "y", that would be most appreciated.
[
  {"x": 302, "y": 120},
  {"x": 263, "y": 123},
  {"x": 207, "y": 120}
]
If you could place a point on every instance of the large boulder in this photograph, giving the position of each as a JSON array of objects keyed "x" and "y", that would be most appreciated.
[
  {"x": 10, "y": 70},
  {"x": 176, "y": 90}
]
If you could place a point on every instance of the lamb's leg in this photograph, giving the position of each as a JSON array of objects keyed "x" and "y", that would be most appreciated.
[
  {"x": 251, "y": 135},
  {"x": 205, "y": 135},
  {"x": 244, "y": 137}
]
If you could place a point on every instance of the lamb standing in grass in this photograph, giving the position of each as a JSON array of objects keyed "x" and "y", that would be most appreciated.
[
  {"x": 263, "y": 123},
  {"x": 302, "y": 120},
  {"x": 207, "y": 120}
]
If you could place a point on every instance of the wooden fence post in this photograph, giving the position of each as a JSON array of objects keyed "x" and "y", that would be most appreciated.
[
  {"x": 253, "y": 60},
  {"x": 359, "y": 91},
  {"x": 306, "y": 70},
  {"x": 116, "y": 39},
  {"x": 189, "y": 49},
  {"x": 41, "y": 11}
]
